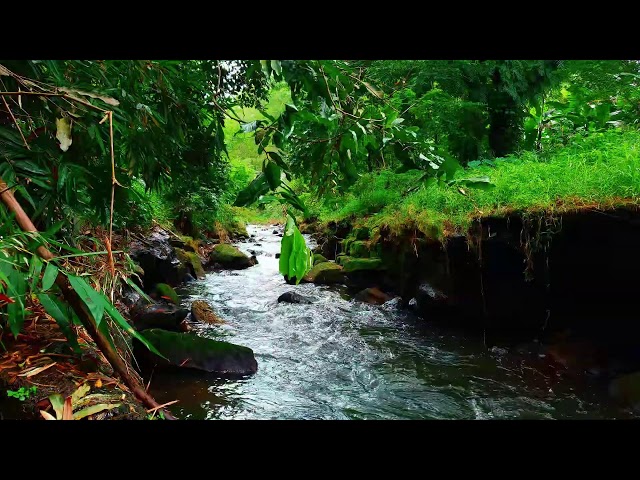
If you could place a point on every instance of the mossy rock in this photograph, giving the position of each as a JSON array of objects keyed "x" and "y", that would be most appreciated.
[
  {"x": 340, "y": 259},
  {"x": 362, "y": 264},
  {"x": 202, "y": 312},
  {"x": 228, "y": 256},
  {"x": 359, "y": 249},
  {"x": 189, "y": 244},
  {"x": 238, "y": 229},
  {"x": 166, "y": 291},
  {"x": 193, "y": 259},
  {"x": 319, "y": 258},
  {"x": 187, "y": 350},
  {"x": 325, "y": 273},
  {"x": 361, "y": 233},
  {"x": 346, "y": 243}
]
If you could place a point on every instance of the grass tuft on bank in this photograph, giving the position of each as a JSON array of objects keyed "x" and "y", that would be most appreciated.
[{"x": 599, "y": 171}]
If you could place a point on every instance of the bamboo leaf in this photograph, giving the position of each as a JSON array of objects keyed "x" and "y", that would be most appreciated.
[
  {"x": 108, "y": 100},
  {"x": 49, "y": 277},
  {"x": 122, "y": 322},
  {"x": 89, "y": 296},
  {"x": 47, "y": 415},
  {"x": 93, "y": 409},
  {"x": 57, "y": 402},
  {"x": 80, "y": 392},
  {"x": 57, "y": 310}
]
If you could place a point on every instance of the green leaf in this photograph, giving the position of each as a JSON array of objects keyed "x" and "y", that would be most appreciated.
[
  {"x": 138, "y": 289},
  {"x": 259, "y": 186},
  {"x": 295, "y": 256},
  {"x": 286, "y": 246},
  {"x": 273, "y": 173},
  {"x": 16, "y": 288},
  {"x": 276, "y": 67},
  {"x": 89, "y": 296},
  {"x": 57, "y": 402},
  {"x": 34, "y": 272},
  {"x": 57, "y": 310},
  {"x": 49, "y": 277}
]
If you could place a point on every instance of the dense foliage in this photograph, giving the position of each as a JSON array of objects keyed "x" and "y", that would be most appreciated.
[{"x": 432, "y": 142}]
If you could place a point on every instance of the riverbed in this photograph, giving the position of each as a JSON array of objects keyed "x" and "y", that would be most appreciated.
[{"x": 342, "y": 359}]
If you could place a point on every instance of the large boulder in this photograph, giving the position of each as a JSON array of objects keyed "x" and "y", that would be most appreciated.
[
  {"x": 187, "y": 350},
  {"x": 228, "y": 256},
  {"x": 293, "y": 297},
  {"x": 201, "y": 311},
  {"x": 158, "y": 259},
  {"x": 325, "y": 273},
  {"x": 164, "y": 315},
  {"x": 374, "y": 296}
]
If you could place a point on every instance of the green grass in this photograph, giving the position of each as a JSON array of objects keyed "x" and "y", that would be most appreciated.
[{"x": 598, "y": 171}]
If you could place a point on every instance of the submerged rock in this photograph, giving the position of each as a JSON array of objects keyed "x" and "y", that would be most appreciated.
[
  {"x": 157, "y": 315},
  {"x": 374, "y": 296},
  {"x": 201, "y": 311},
  {"x": 325, "y": 273},
  {"x": 393, "y": 304},
  {"x": 228, "y": 256},
  {"x": 187, "y": 350},
  {"x": 293, "y": 297}
]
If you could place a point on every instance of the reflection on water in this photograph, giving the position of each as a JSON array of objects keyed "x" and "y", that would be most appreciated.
[{"x": 341, "y": 359}]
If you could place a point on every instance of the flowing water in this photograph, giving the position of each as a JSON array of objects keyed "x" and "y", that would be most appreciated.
[{"x": 341, "y": 359}]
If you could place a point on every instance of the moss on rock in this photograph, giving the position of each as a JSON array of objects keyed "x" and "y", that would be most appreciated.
[
  {"x": 187, "y": 350},
  {"x": 202, "y": 312},
  {"x": 319, "y": 258},
  {"x": 361, "y": 264},
  {"x": 325, "y": 273},
  {"x": 167, "y": 292},
  {"x": 228, "y": 256}
]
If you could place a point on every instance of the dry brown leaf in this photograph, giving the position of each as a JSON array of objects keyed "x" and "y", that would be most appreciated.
[
  {"x": 105, "y": 99},
  {"x": 67, "y": 412},
  {"x": 63, "y": 133},
  {"x": 47, "y": 415},
  {"x": 36, "y": 371}
]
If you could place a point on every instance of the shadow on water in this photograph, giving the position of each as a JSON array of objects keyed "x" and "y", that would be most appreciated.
[{"x": 341, "y": 359}]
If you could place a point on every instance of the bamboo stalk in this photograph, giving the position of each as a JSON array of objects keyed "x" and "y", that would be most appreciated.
[{"x": 80, "y": 308}]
